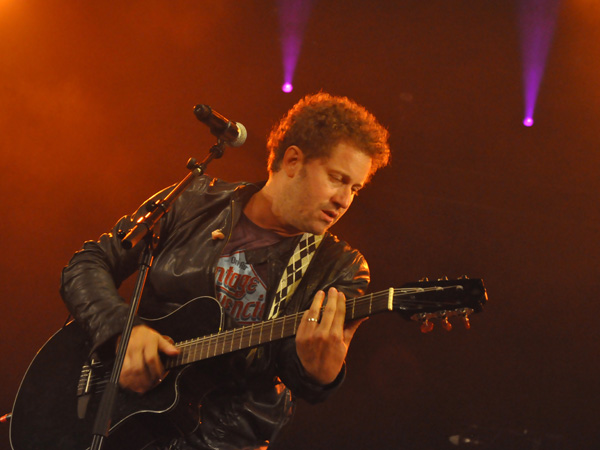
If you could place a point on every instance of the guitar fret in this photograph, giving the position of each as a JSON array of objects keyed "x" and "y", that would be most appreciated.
[
  {"x": 185, "y": 351},
  {"x": 215, "y": 344},
  {"x": 180, "y": 358},
  {"x": 409, "y": 300},
  {"x": 184, "y": 355},
  {"x": 208, "y": 347},
  {"x": 191, "y": 349},
  {"x": 202, "y": 349}
]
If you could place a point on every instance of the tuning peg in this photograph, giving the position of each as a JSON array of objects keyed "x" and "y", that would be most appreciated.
[
  {"x": 446, "y": 325},
  {"x": 424, "y": 280},
  {"x": 466, "y": 321},
  {"x": 443, "y": 279},
  {"x": 426, "y": 326},
  {"x": 463, "y": 277}
]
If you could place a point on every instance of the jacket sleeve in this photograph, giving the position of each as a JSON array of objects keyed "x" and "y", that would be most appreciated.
[
  {"x": 90, "y": 282},
  {"x": 349, "y": 273}
]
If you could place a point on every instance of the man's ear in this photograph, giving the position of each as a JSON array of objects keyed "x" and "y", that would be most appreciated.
[{"x": 292, "y": 161}]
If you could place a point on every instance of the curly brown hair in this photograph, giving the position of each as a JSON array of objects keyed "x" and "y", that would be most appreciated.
[{"x": 318, "y": 122}]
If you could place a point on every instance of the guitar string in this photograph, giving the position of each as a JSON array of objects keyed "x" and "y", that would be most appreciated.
[
  {"x": 283, "y": 325},
  {"x": 226, "y": 340},
  {"x": 229, "y": 335}
]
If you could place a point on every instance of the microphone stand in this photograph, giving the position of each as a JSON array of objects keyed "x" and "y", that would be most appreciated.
[{"x": 144, "y": 229}]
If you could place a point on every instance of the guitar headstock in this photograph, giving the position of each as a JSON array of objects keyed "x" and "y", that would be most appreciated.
[{"x": 427, "y": 301}]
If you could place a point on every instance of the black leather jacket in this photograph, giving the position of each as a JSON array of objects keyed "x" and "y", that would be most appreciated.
[{"x": 249, "y": 411}]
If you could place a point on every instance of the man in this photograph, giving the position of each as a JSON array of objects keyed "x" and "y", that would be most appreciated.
[{"x": 234, "y": 242}]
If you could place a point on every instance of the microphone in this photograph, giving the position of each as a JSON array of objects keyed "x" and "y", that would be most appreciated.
[{"x": 232, "y": 133}]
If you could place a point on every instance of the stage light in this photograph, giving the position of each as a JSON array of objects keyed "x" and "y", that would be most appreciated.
[
  {"x": 528, "y": 121},
  {"x": 537, "y": 21},
  {"x": 293, "y": 18}
]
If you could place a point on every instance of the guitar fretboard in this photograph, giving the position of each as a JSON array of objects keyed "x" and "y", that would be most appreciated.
[{"x": 270, "y": 330}]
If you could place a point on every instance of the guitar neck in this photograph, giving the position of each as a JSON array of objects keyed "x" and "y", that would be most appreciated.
[{"x": 270, "y": 330}]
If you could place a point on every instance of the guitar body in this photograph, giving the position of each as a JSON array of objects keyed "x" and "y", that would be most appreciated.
[{"x": 45, "y": 413}]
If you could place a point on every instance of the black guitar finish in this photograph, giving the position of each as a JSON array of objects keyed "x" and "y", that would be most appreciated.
[
  {"x": 45, "y": 414},
  {"x": 56, "y": 405}
]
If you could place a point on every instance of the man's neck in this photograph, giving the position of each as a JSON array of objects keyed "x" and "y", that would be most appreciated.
[{"x": 262, "y": 211}]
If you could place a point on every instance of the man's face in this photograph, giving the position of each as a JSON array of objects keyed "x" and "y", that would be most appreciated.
[{"x": 324, "y": 188}]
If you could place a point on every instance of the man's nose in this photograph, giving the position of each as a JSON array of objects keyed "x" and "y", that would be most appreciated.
[{"x": 343, "y": 197}]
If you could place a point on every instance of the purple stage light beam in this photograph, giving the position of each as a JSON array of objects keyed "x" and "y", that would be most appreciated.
[
  {"x": 537, "y": 21},
  {"x": 293, "y": 17}
]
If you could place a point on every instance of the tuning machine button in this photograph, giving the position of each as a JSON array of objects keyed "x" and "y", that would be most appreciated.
[
  {"x": 466, "y": 321},
  {"x": 446, "y": 325},
  {"x": 426, "y": 326}
]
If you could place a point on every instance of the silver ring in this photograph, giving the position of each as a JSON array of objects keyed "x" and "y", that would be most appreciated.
[{"x": 312, "y": 319}]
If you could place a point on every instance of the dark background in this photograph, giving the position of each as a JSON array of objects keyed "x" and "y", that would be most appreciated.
[{"x": 96, "y": 115}]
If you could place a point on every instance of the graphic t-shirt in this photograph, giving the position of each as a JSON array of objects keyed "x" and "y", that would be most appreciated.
[{"x": 241, "y": 275}]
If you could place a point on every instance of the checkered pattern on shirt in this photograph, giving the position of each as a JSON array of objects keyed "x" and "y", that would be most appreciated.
[{"x": 295, "y": 270}]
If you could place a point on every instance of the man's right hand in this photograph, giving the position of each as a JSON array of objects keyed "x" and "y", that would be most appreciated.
[{"x": 142, "y": 368}]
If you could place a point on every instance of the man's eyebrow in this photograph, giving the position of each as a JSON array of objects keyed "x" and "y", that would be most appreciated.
[{"x": 347, "y": 178}]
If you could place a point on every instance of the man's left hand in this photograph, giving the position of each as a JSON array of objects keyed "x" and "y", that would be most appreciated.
[{"x": 322, "y": 341}]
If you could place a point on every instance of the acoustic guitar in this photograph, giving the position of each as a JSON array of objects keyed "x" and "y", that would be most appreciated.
[{"x": 56, "y": 404}]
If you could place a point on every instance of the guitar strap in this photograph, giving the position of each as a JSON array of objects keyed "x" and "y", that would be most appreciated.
[
  {"x": 294, "y": 271},
  {"x": 291, "y": 277}
]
